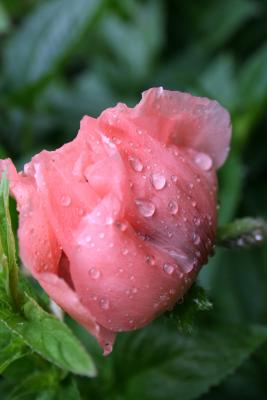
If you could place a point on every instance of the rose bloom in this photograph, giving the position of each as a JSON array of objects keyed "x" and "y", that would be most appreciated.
[{"x": 116, "y": 224}]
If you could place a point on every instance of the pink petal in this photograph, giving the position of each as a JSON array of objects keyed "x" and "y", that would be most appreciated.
[
  {"x": 41, "y": 253},
  {"x": 185, "y": 120},
  {"x": 38, "y": 245}
]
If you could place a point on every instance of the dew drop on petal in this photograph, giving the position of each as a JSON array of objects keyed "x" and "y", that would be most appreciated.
[
  {"x": 173, "y": 207},
  {"x": 101, "y": 235},
  {"x": 121, "y": 225},
  {"x": 196, "y": 238},
  {"x": 109, "y": 220},
  {"x": 136, "y": 164},
  {"x": 146, "y": 208},
  {"x": 65, "y": 201},
  {"x": 125, "y": 251},
  {"x": 150, "y": 260},
  {"x": 174, "y": 178},
  {"x": 168, "y": 268},
  {"x": 196, "y": 221},
  {"x": 104, "y": 303},
  {"x": 158, "y": 181},
  {"x": 203, "y": 161},
  {"x": 107, "y": 348},
  {"x": 94, "y": 273}
]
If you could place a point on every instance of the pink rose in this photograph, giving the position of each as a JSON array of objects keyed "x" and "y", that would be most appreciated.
[{"x": 116, "y": 224}]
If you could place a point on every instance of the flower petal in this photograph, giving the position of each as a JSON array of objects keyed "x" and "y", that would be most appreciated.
[{"x": 185, "y": 120}]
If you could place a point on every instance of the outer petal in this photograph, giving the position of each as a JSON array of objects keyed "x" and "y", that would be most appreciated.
[
  {"x": 42, "y": 255},
  {"x": 185, "y": 120},
  {"x": 39, "y": 248}
]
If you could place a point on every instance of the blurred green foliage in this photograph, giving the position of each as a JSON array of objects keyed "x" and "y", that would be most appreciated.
[{"x": 61, "y": 59}]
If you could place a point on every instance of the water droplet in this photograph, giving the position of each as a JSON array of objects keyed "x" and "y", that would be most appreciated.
[
  {"x": 107, "y": 348},
  {"x": 109, "y": 220},
  {"x": 104, "y": 303},
  {"x": 168, "y": 268},
  {"x": 196, "y": 238},
  {"x": 146, "y": 208},
  {"x": 101, "y": 235},
  {"x": 158, "y": 181},
  {"x": 65, "y": 201},
  {"x": 125, "y": 251},
  {"x": 135, "y": 290},
  {"x": 196, "y": 221},
  {"x": 194, "y": 203},
  {"x": 241, "y": 242},
  {"x": 136, "y": 164},
  {"x": 121, "y": 225},
  {"x": 173, "y": 207},
  {"x": 80, "y": 212},
  {"x": 94, "y": 273},
  {"x": 150, "y": 260},
  {"x": 258, "y": 236},
  {"x": 174, "y": 178},
  {"x": 203, "y": 161},
  {"x": 88, "y": 239}
]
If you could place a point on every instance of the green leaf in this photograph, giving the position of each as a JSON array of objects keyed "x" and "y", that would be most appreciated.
[
  {"x": 253, "y": 79},
  {"x": 46, "y": 37},
  {"x": 8, "y": 263},
  {"x": 69, "y": 391},
  {"x": 134, "y": 43},
  {"x": 245, "y": 232},
  {"x": 38, "y": 382},
  {"x": 233, "y": 13},
  {"x": 230, "y": 186},
  {"x": 12, "y": 348},
  {"x": 185, "y": 313},
  {"x": 47, "y": 336},
  {"x": 4, "y": 20},
  {"x": 160, "y": 364},
  {"x": 218, "y": 81}
]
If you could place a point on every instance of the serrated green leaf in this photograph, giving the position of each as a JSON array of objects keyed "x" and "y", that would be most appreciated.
[
  {"x": 160, "y": 364},
  {"x": 47, "y": 336},
  {"x": 46, "y": 37}
]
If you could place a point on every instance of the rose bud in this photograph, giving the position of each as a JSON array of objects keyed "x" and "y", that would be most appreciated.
[{"x": 116, "y": 224}]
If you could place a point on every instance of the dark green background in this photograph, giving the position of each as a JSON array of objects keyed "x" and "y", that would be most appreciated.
[{"x": 61, "y": 59}]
